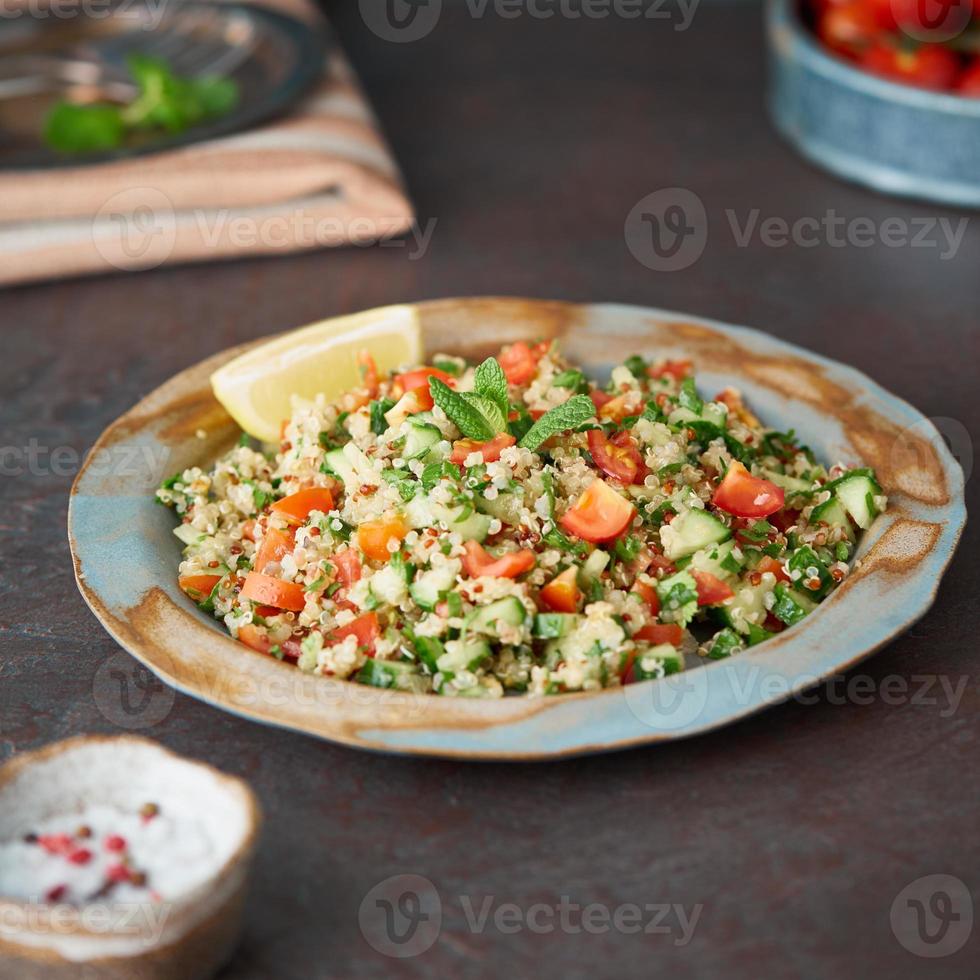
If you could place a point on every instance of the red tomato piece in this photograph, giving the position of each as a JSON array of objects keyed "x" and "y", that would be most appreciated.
[
  {"x": 848, "y": 28},
  {"x": 711, "y": 589},
  {"x": 931, "y": 66},
  {"x": 298, "y": 506},
  {"x": 348, "y": 567},
  {"x": 675, "y": 369},
  {"x": 657, "y": 633},
  {"x": 477, "y": 562},
  {"x": 562, "y": 593},
  {"x": 258, "y": 639},
  {"x": 366, "y": 628},
  {"x": 271, "y": 591},
  {"x": 743, "y": 495},
  {"x": 373, "y": 536},
  {"x": 649, "y": 595},
  {"x": 769, "y": 564},
  {"x": 600, "y": 514},
  {"x": 418, "y": 381},
  {"x": 617, "y": 457},
  {"x": 198, "y": 587},
  {"x": 599, "y": 398},
  {"x": 969, "y": 81},
  {"x": 275, "y": 545},
  {"x": 519, "y": 362},
  {"x": 490, "y": 451}
]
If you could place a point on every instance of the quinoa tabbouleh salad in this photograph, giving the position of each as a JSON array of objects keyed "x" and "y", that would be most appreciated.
[{"x": 515, "y": 529}]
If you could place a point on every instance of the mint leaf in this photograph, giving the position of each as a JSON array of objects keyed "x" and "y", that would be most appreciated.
[
  {"x": 689, "y": 398},
  {"x": 573, "y": 413},
  {"x": 468, "y": 418},
  {"x": 71, "y": 128},
  {"x": 491, "y": 411},
  {"x": 491, "y": 383}
]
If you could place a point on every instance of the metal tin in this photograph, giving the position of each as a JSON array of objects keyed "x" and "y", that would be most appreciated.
[{"x": 894, "y": 138}]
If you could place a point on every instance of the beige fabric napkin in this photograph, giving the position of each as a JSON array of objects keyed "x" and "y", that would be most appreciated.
[{"x": 320, "y": 176}]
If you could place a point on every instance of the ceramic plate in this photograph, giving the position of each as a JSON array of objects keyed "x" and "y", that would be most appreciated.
[{"x": 126, "y": 554}]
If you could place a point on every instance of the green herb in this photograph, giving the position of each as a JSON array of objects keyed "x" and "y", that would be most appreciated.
[
  {"x": 165, "y": 101},
  {"x": 379, "y": 424},
  {"x": 519, "y": 426},
  {"x": 429, "y": 650},
  {"x": 443, "y": 470},
  {"x": 636, "y": 366},
  {"x": 689, "y": 398},
  {"x": 627, "y": 548},
  {"x": 402, "y": 481},
  {"x": 726, "y": 643},
  {"x": 172, "y": 481},
  {"x": 571, "y": 379},
  {"x": 490, "y": 382},
  {"x": 455, "y": 603},
  {"x": 451, "y": 365},
  {"x": 842, "y": 551},
  {"x": 245, "y": 441},
  {"x": 318, "y": 584},
  {"x": 276, "y": 651},
  {"x": 261, "y": 498},
  {"x": 332, "y": 588},
  {"x": 468, "y": 418},
  {"x": 578, "y": 409}
]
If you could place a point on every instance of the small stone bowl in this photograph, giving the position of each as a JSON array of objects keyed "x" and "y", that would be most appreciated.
[
  {"x": 187, "y": 937},
  {"x": 893, "y": 138}
]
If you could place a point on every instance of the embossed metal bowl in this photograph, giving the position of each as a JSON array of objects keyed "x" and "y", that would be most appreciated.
[
  {"x": 126, "y": 554},
  {"x": 893, "y": 138}
]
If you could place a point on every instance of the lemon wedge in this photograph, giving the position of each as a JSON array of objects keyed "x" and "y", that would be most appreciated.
[{"x": 256, "y": 388}]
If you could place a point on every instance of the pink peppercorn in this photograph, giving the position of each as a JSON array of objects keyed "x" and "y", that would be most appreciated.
[
  {"x": 81, "y": 856},
  {"x": 56, "y": 843},
  {"x": 115, "y": 843},
  {"x": 57, "y": 893},
  {"x": 118, "y": 873}
]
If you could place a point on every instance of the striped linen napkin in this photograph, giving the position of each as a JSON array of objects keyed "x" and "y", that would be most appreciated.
[{"x": 319, "y": 176}]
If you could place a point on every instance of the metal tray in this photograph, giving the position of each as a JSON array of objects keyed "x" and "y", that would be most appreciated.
[{"x": 274, "y": 59}]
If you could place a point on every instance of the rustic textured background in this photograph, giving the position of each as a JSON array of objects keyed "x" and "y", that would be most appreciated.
[{"x": 529, "y": 141}]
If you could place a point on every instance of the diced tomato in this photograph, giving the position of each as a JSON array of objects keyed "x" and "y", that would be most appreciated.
[
  {"x": 248, "y": 529},
  {"x": 743, "y": 495},
  {"x": 617, "y": 457},
  {"x": 711, "y": 589},
  {"x": 657, "y": 633},
  {"x": 737, "y": 407},
  {"x": 599, "y": 398},
  {"x": 969, "y": 81},
  {"x": 348, "y": 567},
  {"x": 661, "y": 563},
  {"x": 562, "y": 593},
  {"x": 366, "y": 628},
  {"x": 298, "y": 506},
  {"x": 848, "y": 28},
  {"x": 675, "y": 369},
  {"x": 418, "y": 381},
  {"x": 616, "y": 409},
  {"x": 477, "y": 562},
  {"x": 369, "y": 371},
  {"x": 775, "y": 566},
  {"x": 273, "y": 592},
  {"x": 373, "y": 536},
  {"x": 519, "y": 362},
  {"x": 784, "y": 519},
  {"x": 490, "y": 451},
  {"x": 649, "y": 595},
  {"x": 198, "y": 587},
  {"x": 931, "y": 66},
  {"x": 275, "y": 545},
  {"x": 258, "y": 639},
  {"x": 600, "y": 514}
]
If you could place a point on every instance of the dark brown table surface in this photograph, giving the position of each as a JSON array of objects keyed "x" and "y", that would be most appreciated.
[{"x": 529, "y": 141}]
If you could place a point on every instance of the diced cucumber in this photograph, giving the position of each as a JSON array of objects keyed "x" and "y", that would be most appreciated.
[
  {"x": 856, "y": 492},
  {"x": 463, "y": 655},
  {"x": 389, "y": 585},
  {"x": 474, "y": 527},
  {"x": 711, "y": 412},
  {"x": 692, "y": 531},
  {"x": 757, "y": 634},
  {"x": 390, "y": 673},
  {"x": 594, "y": 565},
  {"x": 421, "y": 511},
  {"x": 791, "y": 606},
  {"x": 667, "y": 656},
  {"x": 678, "y": 596},
  {"x": 553, "y": 626},
  {"x": 420, "y": 438},
  {"x": 506, "y": 507},
  {"x": 487, "y": 619},
  {"x": 717, "y": 560},
  {"x": 189, "y": 534},
  {"x": 428, "y": 649},
  {"x": 431, "y": 586},
  {"x": 832, "y": 513},
  {"x": 791, "y": 484},
  {"x": 746, "y": 609}
]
